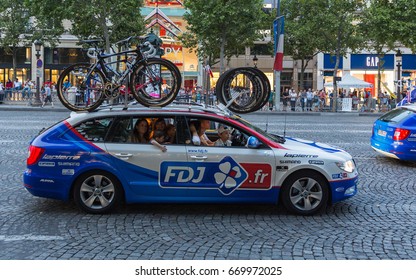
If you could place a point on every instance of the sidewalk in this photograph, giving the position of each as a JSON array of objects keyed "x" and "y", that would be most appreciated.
[
  {"x": 24, "y": 106},
  {"x": 58, "y": 107}
]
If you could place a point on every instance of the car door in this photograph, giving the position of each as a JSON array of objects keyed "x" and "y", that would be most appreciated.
[
  {"x": 140, "y": 163},
  {"x": 228, "y": 173}
]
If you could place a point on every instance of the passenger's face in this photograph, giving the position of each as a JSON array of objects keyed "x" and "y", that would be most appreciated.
[
  {"x": 205, "y": 124},
  {"x": 142, "y": 127},
  {"x": 160, "y": 125}
]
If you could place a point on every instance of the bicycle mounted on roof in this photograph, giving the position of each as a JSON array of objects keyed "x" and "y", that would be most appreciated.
[{"x": 152, "y": 81}]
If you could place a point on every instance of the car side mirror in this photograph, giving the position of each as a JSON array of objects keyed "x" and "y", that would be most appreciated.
[{"x": 253, "y": 142}]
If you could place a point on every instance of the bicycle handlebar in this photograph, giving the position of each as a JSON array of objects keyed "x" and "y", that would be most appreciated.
[
  {"x": 93, "y": 52},
  {"x": 152, "y": 50}
]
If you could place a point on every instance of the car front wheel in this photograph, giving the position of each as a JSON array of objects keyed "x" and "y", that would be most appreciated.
[
  {"x": 97, "y": 192},
  {"x": 305, "y": 192}
]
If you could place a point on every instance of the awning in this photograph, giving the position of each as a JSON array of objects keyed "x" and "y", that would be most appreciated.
[{"x": 348, "y": 81}]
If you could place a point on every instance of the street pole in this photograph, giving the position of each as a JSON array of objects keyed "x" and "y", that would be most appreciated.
[
  {"x": 39, "y": 64},
  {"x": 399, "y": 83},
  {"x": 277, "y": 73}
]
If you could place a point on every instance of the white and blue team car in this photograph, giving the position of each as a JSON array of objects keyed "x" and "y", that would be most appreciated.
[{"x": 93, "y": 159}]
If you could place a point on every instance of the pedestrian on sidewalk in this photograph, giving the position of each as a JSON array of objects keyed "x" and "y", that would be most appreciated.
[
  {"x": 9, "y": 89},
  {"x": 285, "y": 99},
  {"x": 48, "y": 95},
  {"x": 309, "y": 99},
  {"x": 293, "y": 96}
]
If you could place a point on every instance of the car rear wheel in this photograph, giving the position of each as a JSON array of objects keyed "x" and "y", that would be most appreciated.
[
  {"x": 97, "y": 192},
  {"x": 305, "y": 192}
]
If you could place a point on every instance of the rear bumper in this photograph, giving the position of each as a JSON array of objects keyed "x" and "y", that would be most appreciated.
[
  {"x": 55, "y": 188},
  {"x": 397, "y": 150}
]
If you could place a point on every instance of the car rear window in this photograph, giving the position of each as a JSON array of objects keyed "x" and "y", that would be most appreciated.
[
  {"x": 397, "y": 115},
  {"x": 94, "y": 130}
]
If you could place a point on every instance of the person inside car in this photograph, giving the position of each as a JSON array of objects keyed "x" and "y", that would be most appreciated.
[
  {"x": 140, "y": 133},
  {"x": 194, "y": 127},
  {"x": 170, "y": 134},
  {"x": 224, "y": 135},
  {"x": 158, "y": 140},
  {"x": 205, "y": 124},
  {"x": 159, "y": 124}
]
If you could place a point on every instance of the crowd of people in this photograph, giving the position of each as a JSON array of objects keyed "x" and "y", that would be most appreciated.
[{"x": 16, "y": 90}]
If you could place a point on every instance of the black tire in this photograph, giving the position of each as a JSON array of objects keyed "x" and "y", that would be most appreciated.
[
  {"x": 149, "y": 79},
  {"x": 305, "y": 192},
  {"x": 87, "y": 91},
  {"x": 249, "y": 84},
  {"x": 240, "y": 83},
  {"x": 97, "y": 199},
  {"x": 266, "y": 89}
]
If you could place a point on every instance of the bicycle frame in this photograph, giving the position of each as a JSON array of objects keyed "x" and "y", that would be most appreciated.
[{"x": 105, "y": 67}]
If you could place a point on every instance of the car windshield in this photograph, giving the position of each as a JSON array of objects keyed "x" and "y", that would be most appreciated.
[
  {"x": 272, "y": 137},
  {"x": 396, "y": 115}
]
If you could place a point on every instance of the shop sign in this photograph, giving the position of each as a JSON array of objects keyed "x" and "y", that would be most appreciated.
[
  {"x": 173, "y": 52},
  {"x": 371, "y": 62}
]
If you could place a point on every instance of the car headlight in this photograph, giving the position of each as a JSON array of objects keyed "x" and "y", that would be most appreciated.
[{"x": 347, "y": 166}]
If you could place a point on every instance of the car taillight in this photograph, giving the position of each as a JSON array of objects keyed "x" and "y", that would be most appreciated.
[
  {"x": 400, "y": 134},
  {"x": 34, "y": 155}
]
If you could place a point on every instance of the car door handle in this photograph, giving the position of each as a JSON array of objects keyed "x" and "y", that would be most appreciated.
[
  {"x": 199, "y": 157},
  {"x": 123, "y": 156}
]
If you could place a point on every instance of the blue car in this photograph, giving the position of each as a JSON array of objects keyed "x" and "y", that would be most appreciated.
[{"x": 394, "y": 133}]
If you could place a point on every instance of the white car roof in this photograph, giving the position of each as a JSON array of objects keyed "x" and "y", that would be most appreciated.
[{"x": 131, "y": 110}]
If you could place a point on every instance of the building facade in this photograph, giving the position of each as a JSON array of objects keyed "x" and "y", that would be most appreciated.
[{"x": 165, "y": 19}]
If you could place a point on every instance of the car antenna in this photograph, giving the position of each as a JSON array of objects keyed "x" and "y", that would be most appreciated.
[
  {"x": 267, "y": 121},
  {"x": 284, "y": 127}
]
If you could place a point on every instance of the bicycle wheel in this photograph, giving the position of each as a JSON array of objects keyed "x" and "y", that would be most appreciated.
[
  {"x": 87, "y": 87},
  {"x": 243, "y": 90},
  {"x": 155, "y": 82}
]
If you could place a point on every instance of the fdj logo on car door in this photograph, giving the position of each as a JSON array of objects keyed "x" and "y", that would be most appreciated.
[{"x": 226, "y": 175}]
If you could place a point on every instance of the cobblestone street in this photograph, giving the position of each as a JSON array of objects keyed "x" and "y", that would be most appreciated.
[{"x": 378, "y": 223}]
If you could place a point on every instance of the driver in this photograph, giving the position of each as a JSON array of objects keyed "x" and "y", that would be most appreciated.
[{"x": 224, "y": 135}]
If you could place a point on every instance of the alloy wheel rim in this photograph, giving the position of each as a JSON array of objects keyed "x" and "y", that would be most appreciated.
[
  {"x": 97, "y": 192},
  {"x": 306, "y": 194}
]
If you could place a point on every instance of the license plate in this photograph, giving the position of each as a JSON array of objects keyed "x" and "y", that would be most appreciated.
[{"x": 382, "y": 132}]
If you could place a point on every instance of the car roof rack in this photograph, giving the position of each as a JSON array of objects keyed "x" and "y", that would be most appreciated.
[{"x": 175, "y": 105}]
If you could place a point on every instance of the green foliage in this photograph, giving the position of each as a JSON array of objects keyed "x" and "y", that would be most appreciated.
[
  {"x": 15, "y": 23},
  {"x": 106, "y": 19},
  {"x": 404, "y": 21},
  {"x": 48, "y": 25},
  {"x": 376, "y": 26},
  {"x": 222, "y": 28},
  {"x": 302, "y": 41},
  {"x": 15, "y": 27}
]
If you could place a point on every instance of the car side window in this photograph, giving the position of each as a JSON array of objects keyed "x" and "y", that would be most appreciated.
[
  {"x": 94, "y": 130},
  {"x": 141, "y": 129},
  {"x": 119, "y": 132}
]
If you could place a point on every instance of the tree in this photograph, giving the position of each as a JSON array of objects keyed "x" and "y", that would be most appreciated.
[
  {"x": 47, "y": 20},
  {"x": 339, "y": 29},
  {"x": 403, "y": 19},
  {"x": 15, "y": 25},
  {"x": 381, "y": 35},
  {"x": 221, "y": 28},
  {"x": 302, "y": 41},
  {"x": 106, "y": 19}
]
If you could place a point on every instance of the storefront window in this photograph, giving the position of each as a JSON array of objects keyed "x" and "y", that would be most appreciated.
[
  {"x": 262, "y": 49},
  {"x": 307, "y": 81},
  {"x": 65, "y": 56},
  {"x": 51, "y": 75},
  {"x": 7, "y": 57}
]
